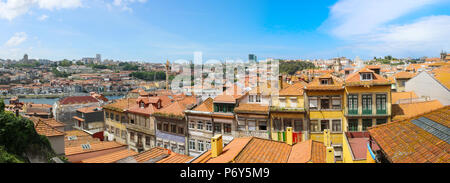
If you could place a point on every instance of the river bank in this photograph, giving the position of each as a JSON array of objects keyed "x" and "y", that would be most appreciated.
[{"x": 54, "y": 96}]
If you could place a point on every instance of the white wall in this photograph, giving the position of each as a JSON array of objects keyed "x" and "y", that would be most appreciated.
[{"x": 424, "y": 85}]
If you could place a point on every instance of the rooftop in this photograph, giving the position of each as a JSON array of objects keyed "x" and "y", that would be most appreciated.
[
  {"x": 396, "y": 96},
  {"x": 78, "y": 100},
  {"x": 111, "y": 157},
  {"x": 406, "y": 142},
  {"x": 404, "y": 111}
]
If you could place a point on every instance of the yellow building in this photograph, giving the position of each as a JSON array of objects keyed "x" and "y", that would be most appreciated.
[
  {"x": 324, "y": 99},
  {"x": 116, "y": 118},
  {"x": 367, "y": 100},
  {"x": 288, "y": 110}
]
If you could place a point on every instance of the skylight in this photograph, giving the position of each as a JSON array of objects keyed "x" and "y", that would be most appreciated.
[{"x": 438, "y": 130}]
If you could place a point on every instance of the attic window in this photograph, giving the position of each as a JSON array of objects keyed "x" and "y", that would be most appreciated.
[
  {"x": 366, "y": 76},
  {"x": 142, "y": 105},
  {"x": 324, "y": 81}
]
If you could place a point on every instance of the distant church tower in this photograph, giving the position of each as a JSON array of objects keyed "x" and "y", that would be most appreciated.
[{"x": 167, "y": 74}]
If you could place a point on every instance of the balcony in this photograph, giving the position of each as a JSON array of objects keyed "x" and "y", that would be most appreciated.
[
  {"x": 367, "y": 111},
  {"x": 138, "y": 128},
  {"x": 352, "y": 112},
  {"x": 382, "y": 112},
  {"x": 281, "y": 136}
]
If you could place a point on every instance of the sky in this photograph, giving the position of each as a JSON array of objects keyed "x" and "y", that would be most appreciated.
[{"x": 157, "y": 30}]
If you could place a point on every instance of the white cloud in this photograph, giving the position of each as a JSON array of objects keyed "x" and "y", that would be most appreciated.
[
  {"x": 58, "y": 4},
  {"x": 10, "y": 9},
  {"x": 17, "y": 39},
  {"x": 43, "y": 17},
  {"x": 123, "y": 4},
  {"x": 368, "y": 25}
]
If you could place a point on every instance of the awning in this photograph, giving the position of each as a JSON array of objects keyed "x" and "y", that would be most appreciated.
[{"x": 79, "y": 119}]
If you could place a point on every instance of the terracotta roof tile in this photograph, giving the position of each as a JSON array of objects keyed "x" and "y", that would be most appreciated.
[
  {"x": 252, "y": 108},
  {"x": 176, "y": 158},
  {"x": 315, "y": 84},
  {"x": 121, "y": 104},
  {"x": 403, "y": 111},
  {"x": 205, "y": 106},
  {"x": 295, "y": 89},
  {"x": 404, "y": 75},
  {"x": 405, "y": 142},
  {"x": 43, "y": 128},
  {"x": 94, "y": 147},
  {"x": 111, "y": 157},
  {"x": 89, "y": 109},
  {"x": 355, "y": 79}
]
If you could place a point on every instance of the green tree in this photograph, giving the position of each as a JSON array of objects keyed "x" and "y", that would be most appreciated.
[{"x": 2, "y": 105}]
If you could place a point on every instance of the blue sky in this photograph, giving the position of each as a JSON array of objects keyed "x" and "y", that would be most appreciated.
[{"x": 156, "y": 30}]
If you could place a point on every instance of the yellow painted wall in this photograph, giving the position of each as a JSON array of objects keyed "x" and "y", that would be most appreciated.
[
  {"x": 300, "y": 101},
  {"x": 336, "y": 138},
  {"x": 365, "y": 90}
]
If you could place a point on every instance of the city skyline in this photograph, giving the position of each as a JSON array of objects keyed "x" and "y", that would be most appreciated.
[{"x": 153, "y": 31}]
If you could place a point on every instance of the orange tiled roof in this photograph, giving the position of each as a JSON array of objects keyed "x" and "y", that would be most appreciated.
[
  {"x": 176, "y": 158},
  {"x": 396, "y": 96},
  {"x": 94, "y": 147},
  {"x": 355, "y": 79},
  {"x": 403, "y": 111},
  {"x": 405, "y": 142},
  {"x": 404, "y": 75},
  {"x": 252, "y": 108},
  {"x": 89, "y": 109},
  {"x": 43, "y": 128},
  {"x": 336, "y": 83},
  {"x": 121, "y": 104},
  {"x": 150, "y": 154},
  {"x": 295, "y": 89},
  {"x": 205, "y": 106},
  {"x": 111, "y": 157},
  {"x": 257, "y": 150},
  {"x": 77, "y": 133},
  {"x": 52, "y": 122},
  {"x": 443, "y": 78},
  {"x": 177, "y": 108}
]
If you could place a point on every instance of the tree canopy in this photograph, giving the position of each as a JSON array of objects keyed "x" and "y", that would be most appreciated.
[{"x": 292, "y": 67}]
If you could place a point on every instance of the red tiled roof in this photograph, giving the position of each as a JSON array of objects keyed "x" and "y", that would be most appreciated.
[
  {"x": 355, "y": 79},
  {"x": 110, "y": 157},
  {"x": 403, "y": 111},
  {"x": 43, "y": 128},
  {"x": 396, "y": 96},
  {"x": 405, "y": 142},
  {"x": 78, "y": 100},
  {"x": 205, "y": 106},
  {"x": 252, "y": 108},
  {"x": 295, "y": 89}
]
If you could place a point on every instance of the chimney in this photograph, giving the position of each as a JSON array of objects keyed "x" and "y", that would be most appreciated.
[
  {"x": 289, "y": 137},
  {"x": 216, "y": 146},
  {"x": 329, "y": 149}
]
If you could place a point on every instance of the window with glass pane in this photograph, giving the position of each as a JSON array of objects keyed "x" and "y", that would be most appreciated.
[
  {"x": 173, "y": 128},
  {"x": 298, "y": 125},
  {"x": 158, "y": 126},
  {"x": 250, "y": 98},
  {"x": 277, "y": 124},
  {"x": 324, "y": 124},
  {"x": 200, "y": 145},
  {"x": 118, "y": 132},
  {"x": 180, "y": 130},
  {"x": 366, "y": 123},
  {"x": 287, "y": 123},
  {"x": 241, "y": 124},
  {"x": 381, "y": 121},
  {"x": 353, "y": 104},
  {"x": 208, "y": 145},
  {"x": 324, "y": 102},
  {"x": 191, "y": 125},
  {"x": 294, "y": 102},
  {"x": 227, "y": 128},
  {"x": 147, "y": 140},
  {"x": 314, "y": 126},
  {"x": 367, "y": 104},
  {"x": 258, "y": 98},
  {"x": 209, "y": 126},
  {"x": 262, "y": 125},
  {"x": 218, "y": 127},
  {"x": 312, "y": 102},
  {"x": 251, "y": 125},
  {"x": 381, "y": 103},
  {"x": 192, "y": 144},
  {"x": 199, "y": 125},
  {"x": 166, "y": 127},
  {"x": 336, "y": 102},
  {"x": 336, "y": 126},
  {"x": 282, "y": 102},
  {"x": 353, "y": 125}
]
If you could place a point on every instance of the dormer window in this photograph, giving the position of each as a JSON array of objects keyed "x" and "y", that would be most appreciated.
[
  {"x": 324, "y": 81},
  {"x": 366, "y": 76},
  {"x": 142, "y": 105}
]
